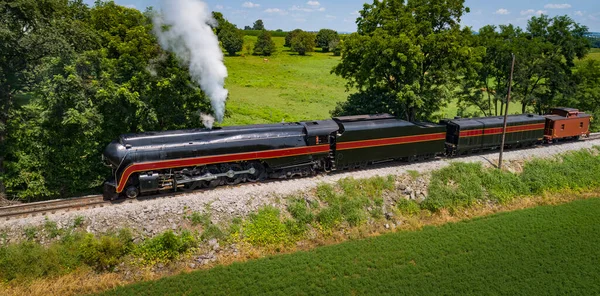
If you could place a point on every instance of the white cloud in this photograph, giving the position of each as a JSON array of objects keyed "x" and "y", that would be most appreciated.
[
  {"x": 331, "y": 17},
  {"x": 355, "y": 13},
  {"x": 130, "y": 6},
  {"x": 219, "y": 6},
  {"x": 532, "y": 12},
  {"x": 276, "y": 10},
  {"x": 250, "y": 5},
  {"x": 300, "y": 20},
  {"x": 557, "y": 6},
  {"x": 305, "y": 9},
  {"x": 579, "y": 13},
  {"x": 502, "y": 11},
  {"x": 313, "y": 3}
]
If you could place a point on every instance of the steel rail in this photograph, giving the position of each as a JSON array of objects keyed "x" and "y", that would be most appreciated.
[{"x": 93, "y": 201}]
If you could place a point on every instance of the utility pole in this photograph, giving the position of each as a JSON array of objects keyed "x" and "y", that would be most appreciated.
[{"x": 512, "y": 69}]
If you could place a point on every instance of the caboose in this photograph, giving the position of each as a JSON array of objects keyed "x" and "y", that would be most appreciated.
[{"x": 566, "y": 123}]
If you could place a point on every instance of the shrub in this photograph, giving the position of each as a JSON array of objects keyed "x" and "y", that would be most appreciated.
[
  {"x": 231, "y": 38},
  {"x": 408, "y": 207},
  {"x": 51, "y": 228},
  {"x": 165, "y": 247},
  {"x": 290, "y": 35},
  {"x": 266, "y": 229},
  {"x": 303, "y": 42},
  {"x": 106, "y": 252},
  {"x": 325, "y": 38},
  {"x": 264, "y": 44},
  {"x": 457, "y": 185}
]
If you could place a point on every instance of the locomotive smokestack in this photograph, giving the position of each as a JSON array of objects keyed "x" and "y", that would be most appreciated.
[{"x": 184, "y": 28}]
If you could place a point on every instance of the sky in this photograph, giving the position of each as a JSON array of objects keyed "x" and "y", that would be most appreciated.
[{"x": 340, "y": 15}]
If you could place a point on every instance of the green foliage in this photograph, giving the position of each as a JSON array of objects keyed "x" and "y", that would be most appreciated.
[
  {"x": 258, "y": 25},
  {"x": 197, "y": 218},
  {"x": 264, "y": 46},
  {"x": 327, "y": 39},
  {"x": 165, "y": 247},
  {"x": 116, "y": 80},
  {"x": 210, "y": 230},
  {"x": 30, "y": 233},
  {"x": 51, "y": 228},
  {"x": 303, "y": 42},
  {"x": 587, "y": 94},
  {"x": 413, "y": 50},
  {"x": 350, "y": 200},
  {"x": 290, "y": 35},
  {"x": 370, "y": 101},
  {"x": 78, "y": 221},
  {"x": 408, "y": 207},
  {"x": 232, "y": 39},
  {"x": 266, "y": 229},
  {"x": 463, "y": 184},
  {"x": 106, "y": 252},
  {"x": 256, "y": 33},
  {"x": 500, "y": 254}
]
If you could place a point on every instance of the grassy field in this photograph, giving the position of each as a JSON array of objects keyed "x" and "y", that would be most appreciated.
[
  {"x": 545, "y": 250},
  {"x": 286, "y": 87}
]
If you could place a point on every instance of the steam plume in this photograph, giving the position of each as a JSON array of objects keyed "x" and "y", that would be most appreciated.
[
  {"x": 207, "y": 120},
  {"x": 191, "y": 38}
]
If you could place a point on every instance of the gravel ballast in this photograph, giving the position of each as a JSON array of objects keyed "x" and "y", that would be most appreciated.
[{"x": 152, "y": 216}]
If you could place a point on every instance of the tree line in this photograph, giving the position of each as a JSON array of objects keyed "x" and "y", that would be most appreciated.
[
  {"x": 74, "y": 77},
  {"x": 412, "y": 58}
]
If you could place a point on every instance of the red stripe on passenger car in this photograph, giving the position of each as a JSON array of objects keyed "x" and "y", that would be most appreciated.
[
  {"x": 498, "y": 130},
  {"x": 204, "y": 160},
  {"x": 389, "y": 141}
]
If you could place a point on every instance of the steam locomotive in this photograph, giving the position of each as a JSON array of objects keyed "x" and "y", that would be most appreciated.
[{"x": 153, "y": 162}]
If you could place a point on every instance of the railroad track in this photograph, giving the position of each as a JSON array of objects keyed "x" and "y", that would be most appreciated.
[
  {"x": 95, "y": 201},
  {"x": 51, "y": 207}
]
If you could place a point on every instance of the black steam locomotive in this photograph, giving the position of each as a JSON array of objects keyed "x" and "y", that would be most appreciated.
[{"x": 152, "y": 162}]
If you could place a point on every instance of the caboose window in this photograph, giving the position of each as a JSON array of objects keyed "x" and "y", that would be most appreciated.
[
  {"x": 581, "y": 124},
  {"x": 562, "y": 127}
]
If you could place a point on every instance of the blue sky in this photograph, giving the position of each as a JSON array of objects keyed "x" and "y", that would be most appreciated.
[{"x": 340, "y": 15}]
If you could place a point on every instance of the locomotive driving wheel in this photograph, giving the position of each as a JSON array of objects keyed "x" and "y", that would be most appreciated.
[
  {"x": 259, "y": 171},
  {"x": 232, "y": 178}
]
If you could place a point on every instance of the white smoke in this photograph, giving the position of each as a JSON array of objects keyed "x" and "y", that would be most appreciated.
[
  {"x": 207, "y": 120},
  {"x": 191, "y": 38}
]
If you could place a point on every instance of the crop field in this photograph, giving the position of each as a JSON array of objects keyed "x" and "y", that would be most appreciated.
[
  {"x": 288, "y": 87},
  {"x": 544, "y": 250}
]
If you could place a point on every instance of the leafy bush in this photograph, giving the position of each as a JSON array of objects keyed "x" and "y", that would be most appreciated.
[
  {"x": 266, "y": 229},
  {"x": 231, "y": 38},
  {"x": 106, "y": 252},
  {"x": 264, "y": 44},
  {"x": 408, "y": 207},
  {"x": 303, "y": 42},
  {"x": 327, "y": 37},
  {"x": 290, "y": 35},
  {"x": 165, "y": 247}
]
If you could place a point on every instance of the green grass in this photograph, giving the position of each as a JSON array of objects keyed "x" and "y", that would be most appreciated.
[
  {"x": 545, "y": 250},
  {"x": 287, "y": 87}
]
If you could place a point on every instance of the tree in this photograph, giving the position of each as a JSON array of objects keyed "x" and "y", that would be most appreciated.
[
  {"x": 30, "y": 32},
  {"x": 258, "y": 25},
  {"x": 231, "y": 38},
  {"x": 303, "y": 42},
  {"x": 413, "y": 50},
  {"x": 247, "y": 28},
  {"x": 546, "y": 58},
  {"x": 220, "y": 21},
  {"x": 587, "y": 94},
  {"x": 326, "y": 38},
  {"x": 264, "y": 44},
  {"x": 82, "y": 101},
  {"x": 289, "y": 36}
]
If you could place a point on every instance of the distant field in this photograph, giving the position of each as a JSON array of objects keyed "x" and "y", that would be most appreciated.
[
  {"x": 544, "y": 250},
  {"x": 289, "y": 87},
  {"x": 286, "y": 87}
]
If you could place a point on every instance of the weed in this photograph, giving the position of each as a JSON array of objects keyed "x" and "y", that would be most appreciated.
[
  {"x": 51, "y": 228},
  {"x": 30, "y": 233},
  {"x": 408, "y": 207},
  {"x": 266, "y": 229},
  {"x": 165, "y": 247},
  {"x": 78, "y": 221},
  {"x": 199, "y": 219},
  {"x": 413, "y": 174}
]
